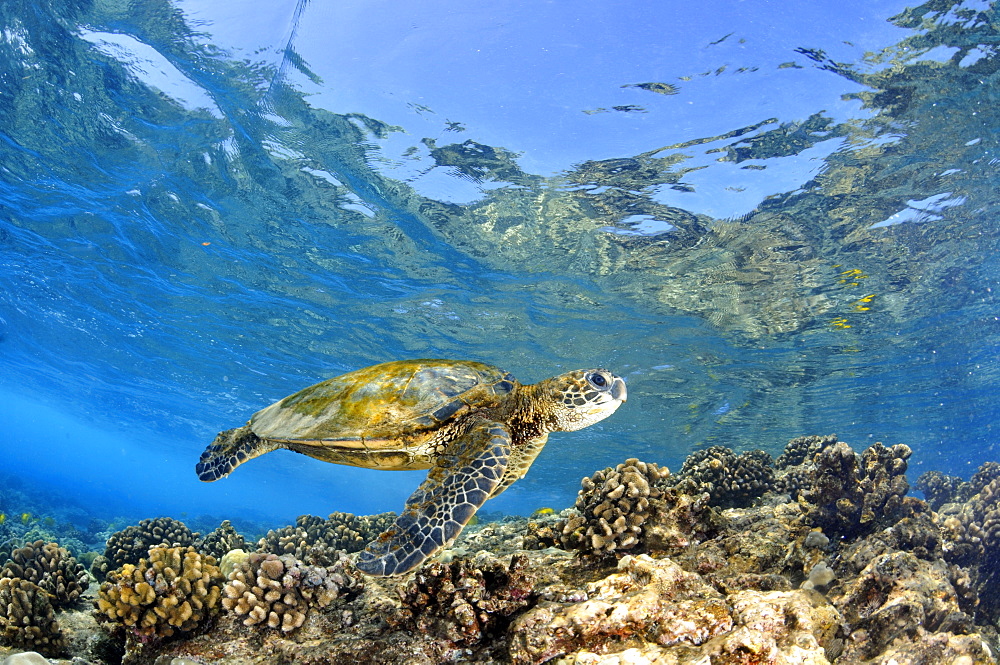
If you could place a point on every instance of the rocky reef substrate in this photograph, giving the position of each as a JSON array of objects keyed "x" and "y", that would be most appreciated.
[{"x": 820, "y": 556}]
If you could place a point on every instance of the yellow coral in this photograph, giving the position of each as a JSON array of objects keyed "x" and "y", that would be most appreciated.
[{"x": 175, "y": 589}]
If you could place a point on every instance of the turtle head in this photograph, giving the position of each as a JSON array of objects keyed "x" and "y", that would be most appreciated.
[{"x": 581, "y": 398}]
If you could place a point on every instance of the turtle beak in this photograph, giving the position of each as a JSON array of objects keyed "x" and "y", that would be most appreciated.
[{"x": 618, "y": 390}]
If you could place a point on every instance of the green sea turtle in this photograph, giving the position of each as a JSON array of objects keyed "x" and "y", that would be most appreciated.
[{"x": 473, "y": 425}]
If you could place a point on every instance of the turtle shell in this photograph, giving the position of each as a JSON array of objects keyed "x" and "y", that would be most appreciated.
[{"x": 393, "y": 407}]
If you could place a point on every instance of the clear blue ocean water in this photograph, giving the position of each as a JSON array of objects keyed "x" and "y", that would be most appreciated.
[{"x": 773, "y": 219}]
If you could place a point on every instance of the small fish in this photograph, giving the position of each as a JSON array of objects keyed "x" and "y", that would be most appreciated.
[
  {"x": 25, "y": 518},
  {"x": 3, "y": 517},
  {"x": 542, "y": 511}
]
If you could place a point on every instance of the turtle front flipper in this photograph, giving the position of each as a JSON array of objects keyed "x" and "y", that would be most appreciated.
[
  {"x": 461, "y": 480},
  {"x": 520, "y": 461},
  {"x": 230, "y": 449}
]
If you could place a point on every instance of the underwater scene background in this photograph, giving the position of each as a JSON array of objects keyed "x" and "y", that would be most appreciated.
[
  {"x": 770, "y": 223},
  {"x": 776, "y": 221}
]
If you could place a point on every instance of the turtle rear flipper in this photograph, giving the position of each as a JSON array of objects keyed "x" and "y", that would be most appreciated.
[
  {"x": 230, "y": 449},
  {"x": 461, "y": 480}
]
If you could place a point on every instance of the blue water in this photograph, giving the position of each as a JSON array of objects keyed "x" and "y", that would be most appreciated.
[{"x": 204, "y": 208}]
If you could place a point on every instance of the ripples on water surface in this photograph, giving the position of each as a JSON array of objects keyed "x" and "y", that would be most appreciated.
[{"x": 772, "y": 226}]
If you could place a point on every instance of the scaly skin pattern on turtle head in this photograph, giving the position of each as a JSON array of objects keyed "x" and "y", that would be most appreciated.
[{"x": 581, "y": 398}]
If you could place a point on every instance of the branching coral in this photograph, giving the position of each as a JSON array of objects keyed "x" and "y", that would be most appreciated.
[
  {"x": 175, "y": 589},
  {"x": 50, "y": 567},
  {"x": 279, "y": 591},
  {"x": 630, "y": 507},
  {"x": 26, "y": 616},
  {"x": 612, "y": 507},
  {"x": 983, "y": 476},
  {"x": 977, "y": 527}
]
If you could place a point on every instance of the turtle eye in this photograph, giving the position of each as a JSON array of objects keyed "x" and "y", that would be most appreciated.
[{"x": 597, "y": 380}]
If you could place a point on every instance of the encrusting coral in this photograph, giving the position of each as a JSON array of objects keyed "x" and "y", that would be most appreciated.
[
  {"x": 52, "y": 568},
  {"x": 898, "y": 595},
  {"x": 654, "y": 600},
  {"x": 134, "y": 542},
  {"x": 465, "y": 600},
  {"x": 316, "y": 541},
  {"x": 794, "y": 468},
  {"x": 26, "y": 617},
  {"x": 971, "y": 535},
  {"x": 940, "y": 489},
  {"x": 279, "y": 591},
  {"x": 854, "y": 494},
  {"x": 174, "y": 589}
]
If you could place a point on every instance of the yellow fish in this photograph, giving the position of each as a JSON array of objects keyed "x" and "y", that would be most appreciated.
[
  {"x": 25, "y": 518},
  {"x": 3, "y": 517}
]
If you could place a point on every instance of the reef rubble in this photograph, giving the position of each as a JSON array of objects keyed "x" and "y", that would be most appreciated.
[{"x": 820, "y": 556}]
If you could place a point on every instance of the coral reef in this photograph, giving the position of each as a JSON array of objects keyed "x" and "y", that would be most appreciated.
[
  {"x": 818, "y": 558},
  {"x": 26, "y": 617},
  {"x": 223, "y": 539},
  {"x": 134, "y": 542},
  {"x": 316, "y": 541},
  {"x": 466, "y": 600},
  {"x": 175, "y": 589},
  {"x": 50, "y": 567},
  {"x": 729, "y": 479},
  {"x": 279, "y": 591},
  {"x": 544, "y": 530},
  {"x": 679, "y": 521},
  {"x": 494, "y": 537}
]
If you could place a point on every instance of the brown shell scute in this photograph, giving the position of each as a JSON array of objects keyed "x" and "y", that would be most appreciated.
[{"x": 395, "y": 401}]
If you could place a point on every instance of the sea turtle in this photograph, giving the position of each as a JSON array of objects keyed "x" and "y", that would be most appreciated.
[{"x": 473, "y": 425}]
